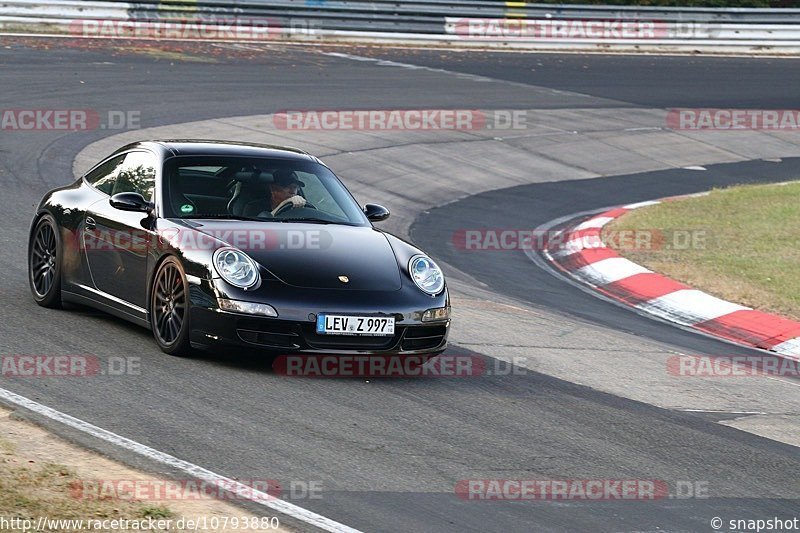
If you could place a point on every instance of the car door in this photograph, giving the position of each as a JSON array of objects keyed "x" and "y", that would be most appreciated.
[{"x": 117, "y": 242}]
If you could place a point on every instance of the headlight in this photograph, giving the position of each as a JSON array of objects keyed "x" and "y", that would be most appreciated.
[
  {"x": 439, "y": 313},
  {"x": 426, "y": 274},
  {"x": 249, "y": 308},
  {"x": 236, "y": 268}
]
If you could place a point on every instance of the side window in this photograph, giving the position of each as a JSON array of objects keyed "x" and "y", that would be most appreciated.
[
  {"x": 137, "y": 174},
  {"x": 104, "y": 176}
]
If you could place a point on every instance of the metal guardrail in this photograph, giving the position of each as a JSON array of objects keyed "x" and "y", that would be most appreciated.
[{"x": 483, "y": 23}]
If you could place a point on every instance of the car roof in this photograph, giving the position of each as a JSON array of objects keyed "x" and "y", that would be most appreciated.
[{"x": 195, "y": 147}]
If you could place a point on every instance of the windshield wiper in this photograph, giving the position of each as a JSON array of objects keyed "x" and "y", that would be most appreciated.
[
  {"x": 308, "y": 219},
  {"x": 228, "y": 216}
]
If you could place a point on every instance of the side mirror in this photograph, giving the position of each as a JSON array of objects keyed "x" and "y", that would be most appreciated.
[
  {"x": 375, "y": 212},
  {"x": 130, "y": 201}
]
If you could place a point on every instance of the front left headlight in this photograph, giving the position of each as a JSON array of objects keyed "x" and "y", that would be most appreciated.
[
  {"x": 426, "y": 274},
  {"x": 236, "y": 268}
]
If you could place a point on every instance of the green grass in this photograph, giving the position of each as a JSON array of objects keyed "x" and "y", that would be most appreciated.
[
  {"x": 156, "y": 512},
  {"x": 30, "y": 490},
  {"x": 6, "y": 447},
  {"x": 751, "y": 253}
]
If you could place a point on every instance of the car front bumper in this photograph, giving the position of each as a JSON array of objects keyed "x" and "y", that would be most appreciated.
[{"x": 294, "y": 330}]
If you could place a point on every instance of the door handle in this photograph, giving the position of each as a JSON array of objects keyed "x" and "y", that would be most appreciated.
[{"x": 90, "y": 223}]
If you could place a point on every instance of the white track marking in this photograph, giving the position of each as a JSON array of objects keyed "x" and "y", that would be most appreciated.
[
  {"x": 723, "y": 411},
  {"x": 198, "y": 472},
  {"x": 594, "y": 223},
  {"x": 689, "y": 307},
  {"x": 641, "y": 204},
  {"x": 462, "y": 75},
  {"x": 578, "y": 244},
  {"x": 609, "y": 270},
  {"x": 789, "y": 348}
]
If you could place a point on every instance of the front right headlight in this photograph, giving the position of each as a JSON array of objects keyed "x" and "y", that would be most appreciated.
[
  {"x": 426, "y": 274},
  {"x": 236, "y": 267}
]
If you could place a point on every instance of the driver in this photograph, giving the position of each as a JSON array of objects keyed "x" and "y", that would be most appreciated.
[{"x": 284, "y": 191}]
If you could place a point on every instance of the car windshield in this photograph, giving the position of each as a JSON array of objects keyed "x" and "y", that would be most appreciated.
[{"x": 268, "y": 189}]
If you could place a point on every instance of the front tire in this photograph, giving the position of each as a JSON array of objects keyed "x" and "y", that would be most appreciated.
[
  {"x": 169, "y": 308},
  {"x": 45, "y": 254}
]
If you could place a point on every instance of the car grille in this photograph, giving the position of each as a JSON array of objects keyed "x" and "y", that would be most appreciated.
[
  {"x": 343, "y": 342},
  {"x": 273, "y": 335},
  {"x": 423, "y": 337},
  {"x": 291, "y": 336}
]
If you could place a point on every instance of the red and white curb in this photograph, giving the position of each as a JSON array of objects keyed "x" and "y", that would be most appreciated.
[{"x": 582, "y": 255}]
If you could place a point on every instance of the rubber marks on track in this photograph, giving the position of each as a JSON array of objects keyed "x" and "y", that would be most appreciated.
[{"x": 582, "y": 255}]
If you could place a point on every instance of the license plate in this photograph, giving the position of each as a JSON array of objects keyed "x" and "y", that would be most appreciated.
[{"x": 378, "y": 326}]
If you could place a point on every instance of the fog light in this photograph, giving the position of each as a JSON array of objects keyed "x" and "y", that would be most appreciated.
[
  {"x": 440, "y": 313},
  {"x": 247, "y": 307}
]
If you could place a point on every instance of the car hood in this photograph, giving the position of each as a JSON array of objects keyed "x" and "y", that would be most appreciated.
[{"x": 313, "y": 255}]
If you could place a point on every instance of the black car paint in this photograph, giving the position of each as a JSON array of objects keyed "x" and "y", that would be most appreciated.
[{"x": 118, "y": 279}]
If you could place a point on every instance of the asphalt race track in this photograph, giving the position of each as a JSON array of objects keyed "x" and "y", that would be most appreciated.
[{"x": 388, "y": 453}]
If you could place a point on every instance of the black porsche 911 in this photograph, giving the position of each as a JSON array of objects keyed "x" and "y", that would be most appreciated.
[{"x": 212, "y": 243}]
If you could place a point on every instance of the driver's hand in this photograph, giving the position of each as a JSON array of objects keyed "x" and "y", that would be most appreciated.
[{"x": 296, "y": 201}]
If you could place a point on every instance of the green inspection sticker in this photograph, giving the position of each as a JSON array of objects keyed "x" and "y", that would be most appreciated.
[{"x": 187, "y": 208}]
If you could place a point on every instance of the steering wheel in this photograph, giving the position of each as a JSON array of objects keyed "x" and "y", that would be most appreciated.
[{"x": 290, "y": 205}]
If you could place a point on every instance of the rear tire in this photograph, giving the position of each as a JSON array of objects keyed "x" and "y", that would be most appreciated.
[
  {"x": 169, "y": 309},
  {"x": 45, "y": 253}
]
